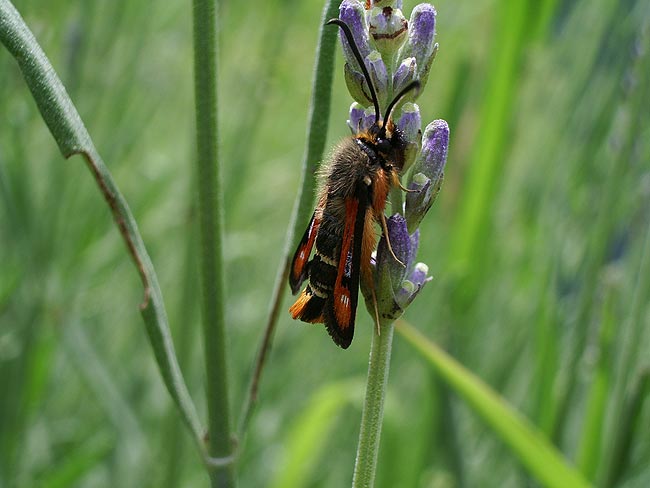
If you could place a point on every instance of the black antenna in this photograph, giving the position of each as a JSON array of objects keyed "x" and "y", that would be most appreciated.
[
  {"x": 362, "y": 65},
  {"x": 414, "y": 85}
]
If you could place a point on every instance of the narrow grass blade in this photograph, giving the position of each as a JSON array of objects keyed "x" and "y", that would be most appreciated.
[
  {"x": 589, "y": 450},
  {"x": 532, "y": 448},
  {"x": 487, "y": 161},
  {"x": 310, "y": 433}
]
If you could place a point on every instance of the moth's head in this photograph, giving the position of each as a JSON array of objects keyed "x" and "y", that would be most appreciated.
[
  {"x": 413, "y": 86},
  {"x": 389, "y": 142}
]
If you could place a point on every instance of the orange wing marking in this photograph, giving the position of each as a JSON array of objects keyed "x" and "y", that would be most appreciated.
[
  {"x": 301, "y": 257},
  {"x": 342, "y": 296}
]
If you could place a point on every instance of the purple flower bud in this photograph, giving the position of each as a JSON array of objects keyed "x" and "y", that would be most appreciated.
[
  {"x": 357, "y": 84},
  {"x": 435, "y": 142},
  {"x": 360, "y": 118},
  {"x": 390, "y": 271},
  {"x": 378, "y": 75},
  {"x": 420, "y": 45},
  {"x": 368, "y": 118},
  {"x": 410, "y": 287},
  {"x": 410, "y": 122},
  {"x": 353, "y": 14},
  {"x": 405, "y": 74},
  {"x": 388, "y": 28},
  {"x": 356, "y": 116},
  {"x": 418, "y": 201},
  {"x": 419, "y": 274}
]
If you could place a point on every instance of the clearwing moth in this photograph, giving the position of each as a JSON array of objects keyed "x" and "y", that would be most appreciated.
[{"x": 355, "y": 183}]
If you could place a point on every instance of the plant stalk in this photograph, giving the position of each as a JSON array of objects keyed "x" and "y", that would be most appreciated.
[
  {"x": 372, "y": 416},
  {"x": 220, "y": 446}
]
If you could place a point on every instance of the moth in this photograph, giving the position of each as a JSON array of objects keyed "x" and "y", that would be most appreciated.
[{"x": 355, "y": 183}]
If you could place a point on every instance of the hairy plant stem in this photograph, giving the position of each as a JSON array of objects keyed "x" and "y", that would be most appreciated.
[
  {"x": 220, "y": 445},
  {"x": 372, "y": 416}
]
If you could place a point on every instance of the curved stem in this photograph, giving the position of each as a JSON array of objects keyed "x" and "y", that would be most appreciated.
[{"x": 71, "y": 135}]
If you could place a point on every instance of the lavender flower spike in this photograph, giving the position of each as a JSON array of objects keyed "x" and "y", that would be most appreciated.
[{"x": 396, "y": 53}]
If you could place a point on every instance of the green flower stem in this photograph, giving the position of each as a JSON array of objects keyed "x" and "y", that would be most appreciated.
[
  {"x": 316, "y": 138},
  {"x": 71, "y": 135},
  {"x": 220, "y": 445},
  {"x": 372, "y": 416},
  {"x": 397, "y": 201}
]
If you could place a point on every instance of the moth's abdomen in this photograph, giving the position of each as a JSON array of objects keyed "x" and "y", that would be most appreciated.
[
  {"x": 308, "y": 307},
  {"x": 322, "y": 274},
  {"x": 314, "y": 305}
]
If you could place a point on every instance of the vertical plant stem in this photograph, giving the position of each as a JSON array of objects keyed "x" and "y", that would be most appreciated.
[
  {"x": 372, "y": 416},
  {"x": 211, "y": 231}
]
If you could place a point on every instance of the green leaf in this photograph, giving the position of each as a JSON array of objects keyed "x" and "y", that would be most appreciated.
[{"x": 532, "y": 448}]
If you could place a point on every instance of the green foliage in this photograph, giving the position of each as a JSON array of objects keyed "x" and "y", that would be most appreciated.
[
  {"x": 538, "y": 246},
  {"x": 532, "y": 448}
]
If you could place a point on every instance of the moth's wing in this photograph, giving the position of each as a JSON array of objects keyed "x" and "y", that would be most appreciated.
[
  {"x": 299, "y": 269},
  {"x": 341, "y": 306}
]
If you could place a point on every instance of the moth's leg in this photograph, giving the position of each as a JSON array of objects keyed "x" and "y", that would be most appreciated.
[
  {"x": 384, "y": 227},
  {"x": 376, "y": 307},
  {"x": 396, "y": 182}
]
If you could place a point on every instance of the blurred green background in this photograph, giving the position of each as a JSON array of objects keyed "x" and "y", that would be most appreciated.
[{"x": 538, "y": 245}]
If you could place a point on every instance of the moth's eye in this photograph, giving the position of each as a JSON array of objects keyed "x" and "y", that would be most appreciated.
[{"x": 383, "y": 145}]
